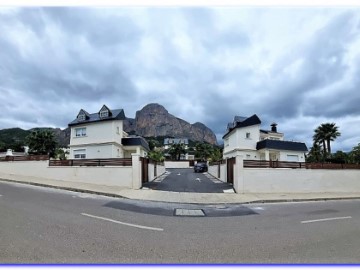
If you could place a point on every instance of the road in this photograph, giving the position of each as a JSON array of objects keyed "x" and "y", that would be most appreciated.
[
  {"x": 185, "y": 180},
  {"x": 43, "y": 225}
]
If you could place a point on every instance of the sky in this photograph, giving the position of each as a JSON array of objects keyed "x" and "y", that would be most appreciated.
[{"x": 296, "y": 66}]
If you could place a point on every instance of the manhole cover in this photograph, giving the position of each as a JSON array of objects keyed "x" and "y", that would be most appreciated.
[{"x": 189, "y": 212}]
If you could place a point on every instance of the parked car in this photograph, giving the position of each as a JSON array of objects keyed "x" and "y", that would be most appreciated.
[{"x": 200, "y": 167}]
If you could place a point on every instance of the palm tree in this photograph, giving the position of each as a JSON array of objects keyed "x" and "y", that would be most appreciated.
[
  {"x": 314, "y": 153},
  {"x": 326, "y": 132}
]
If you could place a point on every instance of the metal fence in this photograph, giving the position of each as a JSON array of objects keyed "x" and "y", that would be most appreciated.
[
  {"x": 296, "y": 165},
  {"x": 92, "y": 162}
]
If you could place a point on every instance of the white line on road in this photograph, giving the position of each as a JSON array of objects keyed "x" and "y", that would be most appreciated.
[
  {"x": 124, "y": 223},
  {"x": 324, "y": 219}
]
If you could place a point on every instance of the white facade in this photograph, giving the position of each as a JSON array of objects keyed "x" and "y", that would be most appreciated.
[
  {"x": 100, "y": 135},
  {"x": 243, "y": 137},
  {"x": 242, "y": 141},
  {"x": 97, "y": 140}
]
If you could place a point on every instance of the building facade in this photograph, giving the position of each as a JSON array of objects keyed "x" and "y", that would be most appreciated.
[
  {"x": 101, "y": 135},
  {"x": 245, "y": 138}
]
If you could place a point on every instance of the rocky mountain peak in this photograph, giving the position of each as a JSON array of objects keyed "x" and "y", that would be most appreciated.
[{"x": 153, "y": 120}]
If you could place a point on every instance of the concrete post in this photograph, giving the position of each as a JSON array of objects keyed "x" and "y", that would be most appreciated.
[
  {"x": 238, "y": 174},
  {"x": 267, "y": 155},
  {"x": 136, "y": 171}
]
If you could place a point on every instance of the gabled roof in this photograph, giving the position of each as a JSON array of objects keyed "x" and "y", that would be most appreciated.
[
  {"x": 135, "y": 141},
  {"x": 82, "y": 111},
  {"x": 95, "y": 117},
  {"x": 282, "y": 145},
  {"x": 246, "y": 122},
  {"x": 105, "y": 108}
]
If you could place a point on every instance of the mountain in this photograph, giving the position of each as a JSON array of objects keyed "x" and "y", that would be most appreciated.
[
  {"x": 15, "y": 137},
  {"x": 151, "y": 121},
  {"x": 155, "y": 121}
]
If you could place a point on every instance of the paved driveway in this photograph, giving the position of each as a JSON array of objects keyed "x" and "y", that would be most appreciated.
[{"x": 185, "y": 180}]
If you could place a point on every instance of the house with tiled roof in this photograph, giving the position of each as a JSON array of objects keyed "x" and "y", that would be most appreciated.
[
  {"x": 101, "y": 135},
  {"x": 244, "y": 137}
]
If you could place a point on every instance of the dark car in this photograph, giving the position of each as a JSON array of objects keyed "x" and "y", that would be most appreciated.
[{"x": 200, "y": 167}]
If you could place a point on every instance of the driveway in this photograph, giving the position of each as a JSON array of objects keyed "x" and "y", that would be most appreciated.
[{"x": 185, "y": 180}]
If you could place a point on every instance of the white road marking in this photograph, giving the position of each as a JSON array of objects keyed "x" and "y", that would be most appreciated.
[
  {"x": 179, "y": 174},
  {"x": 124, "y": 223},
  {"x": 228, "y": 191},
  {"x": 198, "y": 179},
  {"x": 324, "y": 219},
  {"x": 257, "y": 208}
]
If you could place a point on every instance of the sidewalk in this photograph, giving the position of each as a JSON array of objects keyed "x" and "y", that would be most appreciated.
[{"x": 177, "y": 197}]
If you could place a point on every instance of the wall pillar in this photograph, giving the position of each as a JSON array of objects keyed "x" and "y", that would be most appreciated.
[
  {"x": 267, "y": 155},
  {"x": 238, "y": 174},
  {"x": 136, "y": 171}
]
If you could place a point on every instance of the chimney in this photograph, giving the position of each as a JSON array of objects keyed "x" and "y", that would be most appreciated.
[{"x": 273, "y": 127}]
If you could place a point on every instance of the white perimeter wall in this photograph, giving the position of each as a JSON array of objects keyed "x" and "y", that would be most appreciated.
[
  {"x": 177, "y": 164},
  {"x": 159, "y": 171},
  {"x": 261, "y": 180},
  {"x": 213, "y": 170},
  {"x": 107, "y": 176}
]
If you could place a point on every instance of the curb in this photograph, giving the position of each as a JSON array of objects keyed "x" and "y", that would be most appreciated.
[
  {"x": 304, "y": 200},
  {"x": 64, "y": 188},
  {"x": 123, "y": 197}
]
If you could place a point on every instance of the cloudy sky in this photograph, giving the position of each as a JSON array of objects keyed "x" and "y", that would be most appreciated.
[{"x": 299, "y": 67}]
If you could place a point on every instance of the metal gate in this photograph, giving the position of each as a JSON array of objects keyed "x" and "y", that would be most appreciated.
[
  {"x": 144, "y": 170},
  {"x": 230, "y": 170}
]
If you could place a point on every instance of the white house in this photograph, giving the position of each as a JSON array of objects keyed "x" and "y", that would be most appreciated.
[
  {"x": 168, "y": 142},
  {"x": 245, "y": 138},
  {"x": 101, "y": 135}
]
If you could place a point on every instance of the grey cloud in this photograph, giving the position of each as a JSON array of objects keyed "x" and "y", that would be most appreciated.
[{"x": 323, "y": 64}]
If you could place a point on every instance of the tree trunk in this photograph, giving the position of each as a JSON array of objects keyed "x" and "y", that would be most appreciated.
[
  {"x": 328, "y": 146},
  {"x": 324, "y": 148}
]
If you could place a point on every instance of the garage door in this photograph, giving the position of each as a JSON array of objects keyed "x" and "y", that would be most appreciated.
[{"x": 292, "y": 158}]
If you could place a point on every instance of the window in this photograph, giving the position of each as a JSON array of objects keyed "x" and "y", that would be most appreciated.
[
  {"x": 247, "y": 135},
  {"x": 80, "y": 132},
  {"x": 81, "y": 153},
  {"x": 104, "y": 114},
  {"x": 81, "y": 117}
]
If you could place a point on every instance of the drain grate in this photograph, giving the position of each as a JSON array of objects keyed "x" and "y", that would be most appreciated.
[{"x": 189, "y": 212}]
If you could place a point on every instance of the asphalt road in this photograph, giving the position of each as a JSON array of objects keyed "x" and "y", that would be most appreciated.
[
  {"x": 185, "y": 180},
  {"x": 43, "y": 225}
]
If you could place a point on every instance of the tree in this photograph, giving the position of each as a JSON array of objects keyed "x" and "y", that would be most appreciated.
[
  {"x": 315, "y": 154},
  {"x": 354, "y": 155},
  {"x": 61, "y": 154},
  {"x": 339, "y": 157},
  {"x": 153, "y": 144},
  {"x": 156, "y": 155},
  {"x": 176, "y": 150},
  {"x": 42, "y": 142},
  {"x": 216, "y": 154},
  {"x": 203, "y": 151},
  {"x": 326, "y": 132}
]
